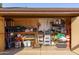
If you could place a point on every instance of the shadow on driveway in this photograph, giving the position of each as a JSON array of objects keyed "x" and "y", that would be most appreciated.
[{"x": 11, "y": 51}]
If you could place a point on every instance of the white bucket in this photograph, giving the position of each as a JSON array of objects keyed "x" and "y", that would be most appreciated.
[{"x": 27, "y": 43}]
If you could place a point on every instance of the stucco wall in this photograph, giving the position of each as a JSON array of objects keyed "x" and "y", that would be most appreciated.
[
  {"x": 74, "y": 31},
  {"x": 2, "y": 34}
]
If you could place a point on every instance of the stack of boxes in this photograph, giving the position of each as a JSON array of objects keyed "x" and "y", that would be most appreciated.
[
  {"x": 41, "y": 37},
  {"x": 44, "y": 38},
  {"x": 61, "y": 43},
  {"x": 47, "y": 38}
]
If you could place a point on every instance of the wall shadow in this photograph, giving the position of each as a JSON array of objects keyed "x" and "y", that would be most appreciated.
[{"x": 12, "y": 51}]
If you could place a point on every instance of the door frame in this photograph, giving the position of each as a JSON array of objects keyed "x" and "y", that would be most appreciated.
[{"x": 36, "y": 12}]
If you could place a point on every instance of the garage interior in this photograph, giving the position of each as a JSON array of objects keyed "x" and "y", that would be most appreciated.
[{"x": 38, "y": 33}]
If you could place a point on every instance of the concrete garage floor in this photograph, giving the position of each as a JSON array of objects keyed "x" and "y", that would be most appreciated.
[{"x": 45, "y": 50}]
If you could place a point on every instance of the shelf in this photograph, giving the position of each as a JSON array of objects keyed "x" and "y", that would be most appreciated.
[{"x": 26, "y": 33}]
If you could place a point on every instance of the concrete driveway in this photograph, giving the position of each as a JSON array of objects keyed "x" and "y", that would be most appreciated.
[{"x": 44, "y": 50}]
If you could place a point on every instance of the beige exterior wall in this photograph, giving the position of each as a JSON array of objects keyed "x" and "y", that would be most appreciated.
[
  {"x": 74, "y": 31},
  {"x": 2, "y": 34}
]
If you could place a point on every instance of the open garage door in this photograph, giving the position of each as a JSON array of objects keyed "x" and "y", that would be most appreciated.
[{"x": 75, "y": 34}]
